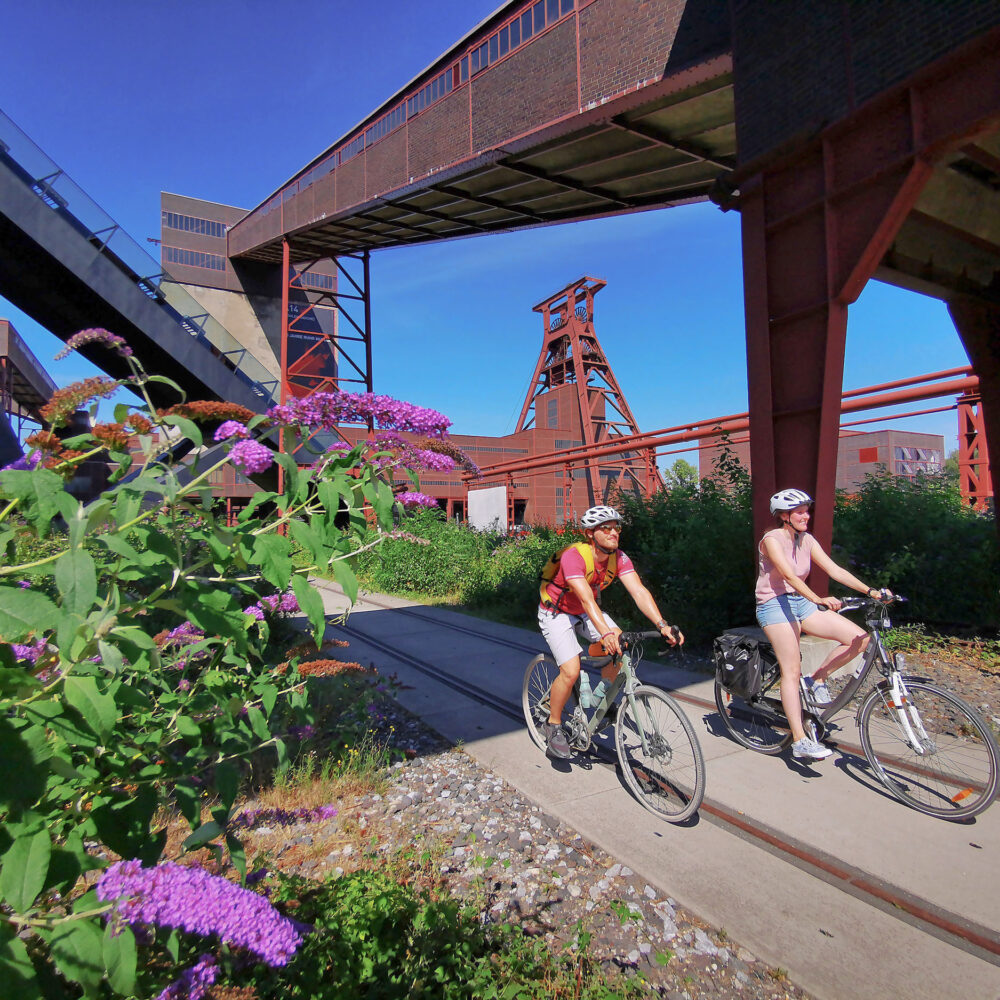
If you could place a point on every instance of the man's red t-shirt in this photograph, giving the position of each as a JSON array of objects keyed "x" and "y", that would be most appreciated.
[{"x": 571, "y": 566}]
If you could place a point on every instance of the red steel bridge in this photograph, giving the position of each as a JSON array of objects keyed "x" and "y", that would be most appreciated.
[{"x": 855, "y": 140}]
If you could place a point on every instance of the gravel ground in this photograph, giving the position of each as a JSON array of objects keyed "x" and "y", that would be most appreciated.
[{"x": 491, "y": 845}]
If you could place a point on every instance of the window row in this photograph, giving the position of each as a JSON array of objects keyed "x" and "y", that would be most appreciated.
[
  {"x": 194, "y": 258},
  {"x": 191, "y": 224},
  {"x": 534, "y": 19},
  {"x": 317, "y": 280}
]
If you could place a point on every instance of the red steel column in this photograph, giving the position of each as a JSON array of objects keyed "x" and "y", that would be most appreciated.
[
  {"x": 814, "y": 230},
  {"x": 978, "y": 324}
]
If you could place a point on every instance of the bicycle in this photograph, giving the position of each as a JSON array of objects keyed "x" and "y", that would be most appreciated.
[
  {"x": 929, "y": 748},
  {"x": 657, "y": 747}
]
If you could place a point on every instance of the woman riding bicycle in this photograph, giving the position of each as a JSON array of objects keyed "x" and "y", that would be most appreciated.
[{"x": 787, "y": 607}]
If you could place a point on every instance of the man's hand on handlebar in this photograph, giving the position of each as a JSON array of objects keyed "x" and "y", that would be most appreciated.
[
  {"x": 673, "y": 635},
  {"x": 612, "y": 644}
]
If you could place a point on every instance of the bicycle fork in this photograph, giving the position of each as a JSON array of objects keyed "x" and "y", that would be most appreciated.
[{"x": 907, "y": 716}]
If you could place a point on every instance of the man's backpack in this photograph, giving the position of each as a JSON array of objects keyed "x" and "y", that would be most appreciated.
[
  {"x": 744, "y": 666},
  {"x": 550, "y": 569}
]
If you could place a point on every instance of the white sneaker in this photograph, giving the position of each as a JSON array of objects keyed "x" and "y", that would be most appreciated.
[
  {"x": 810, "y": 749},
  {"x": 818, "y": 691}
]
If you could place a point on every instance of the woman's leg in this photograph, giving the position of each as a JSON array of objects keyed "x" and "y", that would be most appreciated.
[
  {"x": 852, "y": 639},
  {"x": 784, "y": 638}
]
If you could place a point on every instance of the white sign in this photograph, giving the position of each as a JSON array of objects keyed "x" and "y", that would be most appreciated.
[{"x": 488, "y": 509}]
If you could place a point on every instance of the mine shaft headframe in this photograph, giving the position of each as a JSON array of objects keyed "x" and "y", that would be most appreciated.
[{"x": 578, "y": 294}]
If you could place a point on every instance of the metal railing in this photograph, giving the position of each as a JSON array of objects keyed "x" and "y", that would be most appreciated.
[{"x": 57, "y": 190}]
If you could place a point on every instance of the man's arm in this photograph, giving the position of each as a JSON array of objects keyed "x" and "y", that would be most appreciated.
[{"x": 645, "y": 603}]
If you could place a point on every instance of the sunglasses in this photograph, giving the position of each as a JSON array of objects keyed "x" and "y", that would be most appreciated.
[{"x": 609, "y": 527}]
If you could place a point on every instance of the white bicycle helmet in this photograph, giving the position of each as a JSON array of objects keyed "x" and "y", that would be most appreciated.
[
  {"x": 789, "y": 500},
  {"x": 597, "y": 516}
]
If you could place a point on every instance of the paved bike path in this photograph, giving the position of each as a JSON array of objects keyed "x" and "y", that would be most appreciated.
[{"x": 834, "y": 943}]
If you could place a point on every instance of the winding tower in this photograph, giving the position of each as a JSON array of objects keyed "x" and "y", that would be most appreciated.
[{"x": 573, "y": 374}]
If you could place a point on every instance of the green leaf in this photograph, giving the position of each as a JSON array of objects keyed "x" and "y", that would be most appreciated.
[
  {"x": 25, "y": 866},
  {"x": 268, "y": 698},
  {"x": 98, "y": 709},
  {"x": 77, "y": 948},
  {"x": 187, "y": 427},
  {"x": 120, "y": 959},
  {"x": 124, "y": 826},
  {"x": 203, "y": 835},
  {"x": 273, "y": 554},
  {"x": 163, "y": 380},
  {"x": 227, "y": 782},
  {"x": 188, "y": 728},
  {"x": 111, "y": 658},
  {"x": 37, "y": 492},
  {"x": 23, "y": 752},
  {"x": 16, "y": 970},
  {"x": 23, "y": 612},
  {"x": 344, "y": 575},
  {"x": 76, "y": 578},
  {"x": 237, "y": 854},
  {"x": 312, "y": 605},
  {"x": 257, "y": 723},
  {"x": 291, "y": 472}
]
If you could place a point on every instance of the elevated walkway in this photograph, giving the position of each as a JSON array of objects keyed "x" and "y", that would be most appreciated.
[
  {"x": 69, "y": 266},
  {"x": 25, "y": 387}
]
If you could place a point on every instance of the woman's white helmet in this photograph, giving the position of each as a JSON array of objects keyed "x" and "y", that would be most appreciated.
[
  {"x": 597, "y": 516},
  {"x": 789, "y": 500}
]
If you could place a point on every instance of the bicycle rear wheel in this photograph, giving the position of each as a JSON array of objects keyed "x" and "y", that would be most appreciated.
[
  {"x": 946, "y": 765},
  {"x": 752, "y": 727},
  {"x": 538, "y": 678},
  {"x": 667, "y": 775}
]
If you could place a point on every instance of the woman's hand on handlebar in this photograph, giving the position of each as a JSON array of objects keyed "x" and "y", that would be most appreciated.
[{"x": 833, "y": 603}]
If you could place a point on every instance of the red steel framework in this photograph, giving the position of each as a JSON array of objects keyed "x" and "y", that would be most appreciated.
[
  {"x": 816, "y": 224},
  {"x": 975, "y": 482},
  {"x": 571, "y": 354}
]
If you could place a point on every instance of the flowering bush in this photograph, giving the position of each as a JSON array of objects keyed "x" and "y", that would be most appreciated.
[{"x": 137, "y": 668}]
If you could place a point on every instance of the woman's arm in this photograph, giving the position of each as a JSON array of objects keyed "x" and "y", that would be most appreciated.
[{"x": 838, "y": 573}]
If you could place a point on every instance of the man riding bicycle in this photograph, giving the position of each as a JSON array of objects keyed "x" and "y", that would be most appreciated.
[{"x": 570, "y": 601}]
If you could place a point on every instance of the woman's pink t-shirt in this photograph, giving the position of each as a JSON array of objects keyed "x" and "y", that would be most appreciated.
[
  {"x": 770, "y": 582},
  {"x": 572, "y": 565}
]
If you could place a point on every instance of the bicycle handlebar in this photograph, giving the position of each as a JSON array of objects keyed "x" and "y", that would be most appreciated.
[{"x": 853, "y": 603}]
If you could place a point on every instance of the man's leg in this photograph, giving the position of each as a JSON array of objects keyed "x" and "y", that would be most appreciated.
[{"x": 558, "y": 630}]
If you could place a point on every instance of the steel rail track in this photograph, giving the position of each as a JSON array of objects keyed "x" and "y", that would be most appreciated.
[{"x": 969, "y": 936}]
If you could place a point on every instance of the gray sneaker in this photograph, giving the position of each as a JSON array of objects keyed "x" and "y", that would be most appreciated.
[
  {"x": 809, "y": 749},
  {"x": 556, "y": 744},
  {"x": 818, "y": 691}
]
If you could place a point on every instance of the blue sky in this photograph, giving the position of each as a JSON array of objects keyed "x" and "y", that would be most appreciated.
[{"x": 225, "y": 99}]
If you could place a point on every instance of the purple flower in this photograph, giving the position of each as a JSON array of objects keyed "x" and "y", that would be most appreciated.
[
  {"x": 413, "y": 499},
  {"x": 172, "y": 895},
  {"x": 255, "y": 611},
  {"x": 185, "y": 633},
  {"x": 24, "y": 584},
  {"x": 250, "y": 818},
  {"x": 25, "y": 463},
  {"x": 328, "y": 409},
  {"x": 96, "y": 335},
  {"x": 231, "y": 428},
  {"x": 251, "y": 456},
  {"x": 183, "y": 685},
  {"x": 194, "y": 983},
  {"x": 28, "y": 652}
]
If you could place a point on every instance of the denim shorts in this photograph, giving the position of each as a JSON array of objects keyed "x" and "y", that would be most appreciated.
[{"x": 789, "y": 608}]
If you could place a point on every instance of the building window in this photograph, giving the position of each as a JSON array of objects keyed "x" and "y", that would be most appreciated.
[
  {"x": 192, "y": 224},
  {"x": 539, "y": 10},
  {"x": 194, "y": 258},
  {"x": 317, "y": 280},
  {"x": 911, "y": 462}
]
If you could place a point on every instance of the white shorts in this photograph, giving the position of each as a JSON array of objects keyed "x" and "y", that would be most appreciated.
[{"x": 561, "y": 630}]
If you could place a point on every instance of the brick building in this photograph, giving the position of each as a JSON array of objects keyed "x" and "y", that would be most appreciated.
[{"x": 902, "y": 453}]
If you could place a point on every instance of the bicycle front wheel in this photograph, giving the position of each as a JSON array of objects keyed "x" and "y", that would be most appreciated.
[
  {"x": 538, "y": 678},
  {"x": 660, "y": 756},
  {"x": 752, "y": 727},
  {"x": 934, "y": 753}
]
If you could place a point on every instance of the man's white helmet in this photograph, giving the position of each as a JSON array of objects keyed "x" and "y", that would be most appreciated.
[
  {"x": 789, "y": 500},
  {"x": 597, "y": 516}
]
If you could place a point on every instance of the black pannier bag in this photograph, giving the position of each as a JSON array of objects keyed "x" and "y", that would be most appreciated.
[{"x": 744, "y": 666}]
